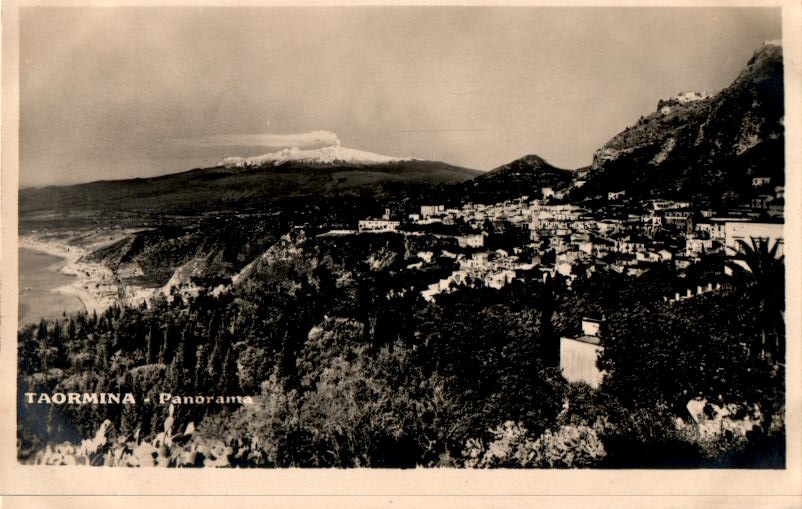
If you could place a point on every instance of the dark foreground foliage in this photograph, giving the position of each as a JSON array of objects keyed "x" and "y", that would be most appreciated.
[{"x": 346, "y": 370}]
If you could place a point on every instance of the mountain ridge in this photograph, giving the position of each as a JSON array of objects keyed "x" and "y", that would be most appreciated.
[
  {"x": 234, "y": 186},
  {"x": 708, "y": 148}
]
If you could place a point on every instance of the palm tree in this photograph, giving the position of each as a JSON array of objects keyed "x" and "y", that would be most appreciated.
[{"x": 763, "y": 272}]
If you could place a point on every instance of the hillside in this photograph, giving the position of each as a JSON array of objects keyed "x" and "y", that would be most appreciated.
[
  {"x": 240, "y": 187},
  {"x": 524, "y": 176},
  {"x": 699, "y": 146},
  {"x": 219, "y": 219}
]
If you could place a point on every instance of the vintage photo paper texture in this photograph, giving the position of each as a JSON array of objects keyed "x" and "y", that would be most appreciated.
[{"x": 401, "y": 250}]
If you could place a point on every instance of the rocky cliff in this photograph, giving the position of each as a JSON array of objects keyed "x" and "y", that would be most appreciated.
[{"x": 701, "y": 146}]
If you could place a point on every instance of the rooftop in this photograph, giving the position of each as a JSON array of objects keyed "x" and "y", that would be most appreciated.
[{"x": 591, "y": 340}]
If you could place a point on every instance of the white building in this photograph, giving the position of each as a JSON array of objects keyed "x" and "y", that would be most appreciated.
[
  {"x": 426, "y": 256},
  {"x": 578, "y": 355},
  {"x": 718, "y": 229},
  {"x": 696, "y": 247},
  {"x": 497, "y": 280},
  {"x": 647, "y": 257},
  {"x": 586, "y": 246},
  {"x": 471, "y": 240},
  {"x": 739, "y": 230},
  {"x": 377, "y": 225},
  {"x": 658, "y": 205},
  {"x": 629, "y": 246},
  {"x": 432, "y": 210}
]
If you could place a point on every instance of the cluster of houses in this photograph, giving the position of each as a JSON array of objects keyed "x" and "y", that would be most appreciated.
[
  {"x": 569, "y": 239},
  {"x": 768, "y": 197},
  {"x": 492, "y": 269},
  {"x": 626, "y": 236}
]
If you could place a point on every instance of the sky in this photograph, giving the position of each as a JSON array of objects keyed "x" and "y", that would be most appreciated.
[{"x": 122, "y": 92}]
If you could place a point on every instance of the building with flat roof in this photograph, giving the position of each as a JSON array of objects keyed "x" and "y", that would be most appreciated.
[
  {"x": 471, "y": 240},
  {"x": 578, "y": 355},
  {"x": 743, "y": 230},
  {"x": 432, "y": 210},
  {"x": 377, "y": 225}
]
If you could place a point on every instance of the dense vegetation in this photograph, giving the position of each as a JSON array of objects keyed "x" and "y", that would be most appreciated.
[{"x": 348, "y": 366}]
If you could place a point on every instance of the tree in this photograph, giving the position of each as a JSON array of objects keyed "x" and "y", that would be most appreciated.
[
  {"x": 177, "y": 372},
  {"x": 153, "y": 343},
  {"x": 41, "y": 338},
  {"x": 229, "y": 380},
  {"x": 29, "y": 359},
  {"x": 758, "y": 267},
  {"x": 216, "y": 357},
  {"x": 550, "y": 341},
  {"x": 201, "y": 367},
  {"x": 170, "y": 343}
]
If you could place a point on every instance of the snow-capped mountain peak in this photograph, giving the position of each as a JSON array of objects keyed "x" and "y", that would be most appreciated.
[{"x": 322, "y": 155}]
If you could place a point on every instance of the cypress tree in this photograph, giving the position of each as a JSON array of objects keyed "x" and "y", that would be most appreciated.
[
  {"x": 214, "y": 324},
  {"x": 550, "y": 342},
  {"x": 201, "y": 367},
  {"x": 229, "y": 381},
  {"x": 187, "y": 348},
  {"x": 29, "y": 358},
  {"x": 170, "y": 340},
  {"x": 42, "y": 340},
  {"x": 153, "y": 343},
  {"x": 71, "y": 332},
  {"x": 217, "y": 357},
  {"x": 60, "y": 349},
  {"x": 177, "y": 370}
]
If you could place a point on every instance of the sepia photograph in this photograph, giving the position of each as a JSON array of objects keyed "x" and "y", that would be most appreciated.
[{"x": 400, "y": 237}]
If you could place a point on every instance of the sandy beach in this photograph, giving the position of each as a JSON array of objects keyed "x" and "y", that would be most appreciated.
[{"x": 95, "y": 284}]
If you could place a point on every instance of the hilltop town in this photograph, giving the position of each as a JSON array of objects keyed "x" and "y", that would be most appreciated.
[{"x": 539, "y": 237}]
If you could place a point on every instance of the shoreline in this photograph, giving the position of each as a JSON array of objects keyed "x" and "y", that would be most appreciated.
[{"x": 86, "y": 274}]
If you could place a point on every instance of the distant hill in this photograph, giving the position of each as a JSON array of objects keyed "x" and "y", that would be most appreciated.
[
  {"x": 699, "y": 146},
  {"x": 524, "y": 176},
  {"x": 236, "y": 186}
]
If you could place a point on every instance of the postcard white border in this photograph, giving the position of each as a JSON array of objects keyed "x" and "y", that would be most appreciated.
[{"x": 403, "y": 488}]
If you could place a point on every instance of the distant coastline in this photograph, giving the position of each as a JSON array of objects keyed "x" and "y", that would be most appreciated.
[
  {"x": 93, "y": 284},
  {"x": 39, "y": 276}
]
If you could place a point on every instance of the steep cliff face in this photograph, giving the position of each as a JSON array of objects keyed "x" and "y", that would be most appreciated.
[{"x": 702, "y": 146}]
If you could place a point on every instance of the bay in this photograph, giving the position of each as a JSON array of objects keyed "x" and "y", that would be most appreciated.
[{"x": 39, "y": 276}]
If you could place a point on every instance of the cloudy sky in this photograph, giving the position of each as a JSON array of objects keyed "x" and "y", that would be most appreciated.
[{"x": 110, "y": 93}]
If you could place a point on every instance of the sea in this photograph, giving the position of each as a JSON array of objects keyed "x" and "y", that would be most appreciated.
[{"x": 38, "y": 276}]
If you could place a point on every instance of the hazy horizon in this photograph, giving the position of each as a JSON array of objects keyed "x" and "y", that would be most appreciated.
[{"x": 112, "y": 93}]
